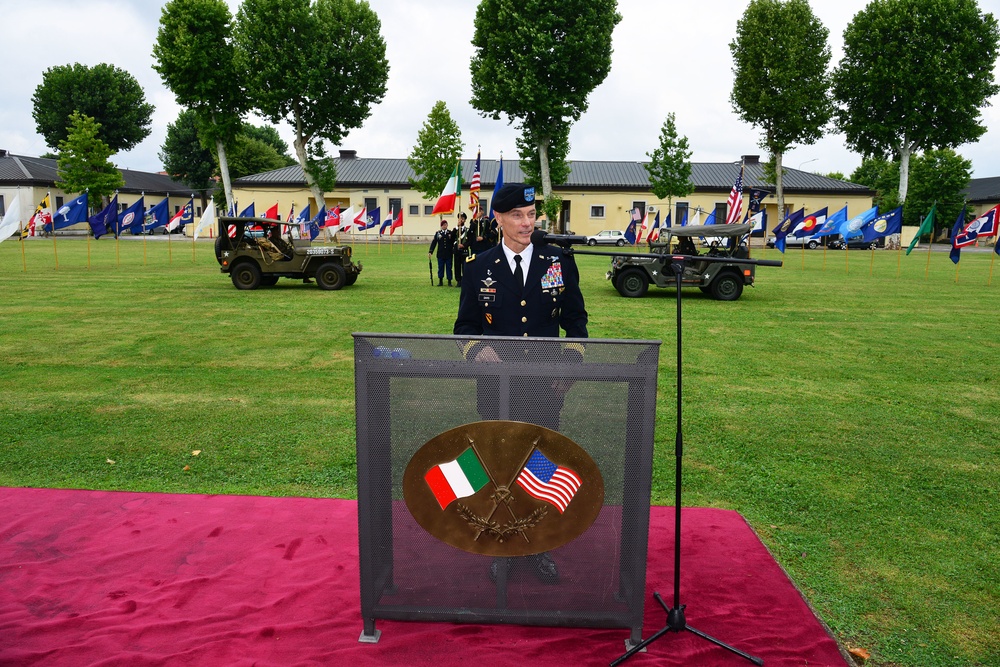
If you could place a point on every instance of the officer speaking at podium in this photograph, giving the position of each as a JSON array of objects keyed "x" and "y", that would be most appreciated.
[{"x": 518, "y": 288}]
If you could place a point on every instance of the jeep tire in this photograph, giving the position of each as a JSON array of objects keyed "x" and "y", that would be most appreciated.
[
  {"x": 245, "y": 275},
  {"x": 727, "y": 286},
  {"x": 331, "y": 276},
  {"x": 632, "y": 283}
]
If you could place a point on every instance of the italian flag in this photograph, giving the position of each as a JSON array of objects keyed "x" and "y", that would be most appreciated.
[
  {"x": 457, "y": 479},
  {"x": 446, "y": 202}
]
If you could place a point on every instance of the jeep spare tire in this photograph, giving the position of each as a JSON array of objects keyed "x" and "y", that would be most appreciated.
[{"x": 331, "y": 276}]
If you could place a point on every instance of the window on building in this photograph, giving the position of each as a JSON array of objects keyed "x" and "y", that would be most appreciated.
[
  {"x": 681, "y": 213},
  {"x": 199, "y": 212},
  {"x": 395, "y": 206},
  {"x": 371, "y": 203},
  {"x": 59, "y": 202},
  {"x": 597, "y": 211},
  {"x": 484, "y": 207},
  {"x": 720, "y": 213},
  {"x": 428, "y": 209},
  {"x": 3, "y": 206},
  {"x": 414, "y": 209},
  {"x": 641, "y": 205}
]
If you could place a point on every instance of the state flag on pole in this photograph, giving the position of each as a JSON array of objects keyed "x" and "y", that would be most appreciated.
[
  {"x": 886, "y": 224},
  {"x": 183, "y": 217},
  {"x": 386, "y": 224},
  {"x": 956, "y": 238},
  {"x": 474, "y": 187},
  {"x": 397, "y": 223},
  {"x": 460, "y": 478},
  {"x": 72, "y": 213},
  {"x": 759, "y": 221},
  {"x": 361, "y": 219},
  {"x": 446, "y": 202},
  {"x": 546, "y": 481},
  {"x": 373, "y": 217},
  {"x": 132, "y": 217},
  {"x": 39, "y": 220},
  {"x": 272, "y": 213},
  {"x": 248, "y": 212},
  {"x": 497, "y": 186},
  {"x": 333, "y": 219},
  {"x": 291, "y": 213},
  {"x": 756, "y": 197},
  {"x": 105, "y": 219},
  {"x": 346, "y": 220},
  {"x": 654, "y": 233},
  {"x": 810, "y": 224},
  {"x": 303, "y": 216},
  {"x": 985, "y": 225},
  {"x": 786, "y": 226},
  {"x": 158, "y": 215},
  {"x": 926, "y": 227},
  {"x": 832, "y": 224}
]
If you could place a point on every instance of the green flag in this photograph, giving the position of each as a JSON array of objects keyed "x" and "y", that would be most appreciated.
[{"x": 926, "y": 227}]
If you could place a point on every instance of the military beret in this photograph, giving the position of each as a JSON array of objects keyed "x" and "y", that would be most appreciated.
[{"x": 513, "y": 195}]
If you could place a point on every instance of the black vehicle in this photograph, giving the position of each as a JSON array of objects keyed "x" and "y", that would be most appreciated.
[
  {"x": 722, "y": 280},
  {"x": 254, "y": 254},
  {"x": 857, "y": 243}
]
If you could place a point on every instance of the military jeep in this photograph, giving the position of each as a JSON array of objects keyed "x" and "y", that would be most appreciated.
[
  {"x": 254, "y": 253},
  {"x": 722, "y": 276}
]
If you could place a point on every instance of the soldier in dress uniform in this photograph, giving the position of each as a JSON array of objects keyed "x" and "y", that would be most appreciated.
[
  {"x": 444, "y": 241},
  {"x": 461, "y": 247},
  {"x": 518, "y": 288},
  {"x": 483, "y": 234}
]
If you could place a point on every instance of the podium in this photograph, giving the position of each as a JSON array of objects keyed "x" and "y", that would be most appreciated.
[{"x": 598, "y": 394}]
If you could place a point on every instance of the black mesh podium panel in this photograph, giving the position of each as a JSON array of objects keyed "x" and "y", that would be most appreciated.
[{"x": 601, "y": 394}]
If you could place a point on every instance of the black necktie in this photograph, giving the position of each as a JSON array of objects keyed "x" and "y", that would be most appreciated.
[{"x": 518, "y": 273}]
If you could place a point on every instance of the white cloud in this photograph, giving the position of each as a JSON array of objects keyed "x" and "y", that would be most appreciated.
[{"x": 668, "y": 57}]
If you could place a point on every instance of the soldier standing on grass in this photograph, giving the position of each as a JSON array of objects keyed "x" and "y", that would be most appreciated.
[
  {"x": 444, "y": 241},
  {"x": 461, "y": 247}
]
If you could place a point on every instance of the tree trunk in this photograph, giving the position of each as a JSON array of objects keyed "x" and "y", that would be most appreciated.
[
  {"x": 779, "y": 190},
  {"x": 300, "y": 152},
  {"x": 906, "y": 148},
  {"x": 227, "y": 184},
  {"x": 543, "y": 162}
]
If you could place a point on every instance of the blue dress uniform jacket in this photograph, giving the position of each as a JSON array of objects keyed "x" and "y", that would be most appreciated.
[{"x": 492, "y": 303}]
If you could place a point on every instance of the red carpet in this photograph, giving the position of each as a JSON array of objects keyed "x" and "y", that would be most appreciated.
[{"x": 109, "y": 578}]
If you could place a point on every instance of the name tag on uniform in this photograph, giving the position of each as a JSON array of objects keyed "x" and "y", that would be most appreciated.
[
  {"x": 487, "y": 298},
  {"x": 553, "y": 276}
]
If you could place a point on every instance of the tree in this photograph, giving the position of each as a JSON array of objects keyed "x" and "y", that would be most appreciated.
[
  {"x": 319, "y": 66},
  {"x": 541, "y": 67},
  {"x": 780, "y": 57},
  {"x": 914, "y": 75},
  {"x": 531, "y": 165},
  {"x": 83, "y": 164},
  {"x": 882, "y": 176},
  {"x": 111, "y": 96},
  {"x": 433, "y": 158},
  {"x": 250, "y": 155},
  {"x": 185, "y": 157},
  {"x": 196, "y": 58},
  {"x": 669, "y": 164},
  {"x": 268, "y": 134},
  {"x": 938, "y": 176}
]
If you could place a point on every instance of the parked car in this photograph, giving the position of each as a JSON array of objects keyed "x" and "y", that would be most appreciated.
[
  {"x": 857, "y": 243},
  {"x": 794, "y": 242},
  {"x": 607, "y": 237}
]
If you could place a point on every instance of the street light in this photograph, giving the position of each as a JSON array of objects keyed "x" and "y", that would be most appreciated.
[{"x": 807, "y": 162}]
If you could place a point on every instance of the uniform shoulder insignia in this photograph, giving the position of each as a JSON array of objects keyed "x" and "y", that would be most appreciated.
[{"x": 470, "y": 258}]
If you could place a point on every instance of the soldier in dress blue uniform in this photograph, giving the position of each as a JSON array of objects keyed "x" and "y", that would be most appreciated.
[{"x": 518, "y": 288}]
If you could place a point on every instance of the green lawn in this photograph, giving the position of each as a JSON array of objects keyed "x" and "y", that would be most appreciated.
[{"x": 851, "y": 416}]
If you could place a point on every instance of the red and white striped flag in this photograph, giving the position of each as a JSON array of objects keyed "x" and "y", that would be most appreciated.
[
  {"x": 474, "y": 188},
  {"x": 735, "y": 202}
]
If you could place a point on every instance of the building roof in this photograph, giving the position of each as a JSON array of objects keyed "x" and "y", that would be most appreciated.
[
  {"x": 41, "y": 172},
  {"x": 584, "y": 175},
  {"x": 983, "y": 190}
]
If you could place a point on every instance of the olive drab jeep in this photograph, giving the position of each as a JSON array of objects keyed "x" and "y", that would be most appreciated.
[
  {"x": 254, "y": 253},
  {"x": 722, "y": 277}
]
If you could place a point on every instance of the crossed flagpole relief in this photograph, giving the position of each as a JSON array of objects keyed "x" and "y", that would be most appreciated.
[{"x": 502, "y": 496}]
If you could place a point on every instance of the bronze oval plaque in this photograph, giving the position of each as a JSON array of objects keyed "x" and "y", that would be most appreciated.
[{"x": 503, "y": 488}]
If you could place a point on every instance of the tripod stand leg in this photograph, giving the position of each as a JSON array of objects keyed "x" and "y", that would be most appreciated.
[
  {"x": 639, "y": 647},
  {"x": 754, "y": 659}
]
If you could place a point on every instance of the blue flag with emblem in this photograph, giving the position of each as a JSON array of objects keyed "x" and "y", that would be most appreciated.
[
  {"x": 101, "y": 222},
  {"x": 373, "y": 217},
  {"x": 956, "y": 238},
  {"x": 786, "y": 227},
  {"x": 316, "y": 223},
  {"x": 158, "y": 215},
  {"x": 72, "y": 213},
  {"x": 852, "y": 227},
  {"x": 248, "y": 212},
  {"x": 132, "y": 218},
  {"x": 832, "y": 224},
  {"x": 883, "y": 225}
]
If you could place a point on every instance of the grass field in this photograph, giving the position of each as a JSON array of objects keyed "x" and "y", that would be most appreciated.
[{"x": 849, "y": 413}]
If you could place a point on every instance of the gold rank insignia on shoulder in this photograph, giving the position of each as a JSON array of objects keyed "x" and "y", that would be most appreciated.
[{"x": 470, "y": 258}]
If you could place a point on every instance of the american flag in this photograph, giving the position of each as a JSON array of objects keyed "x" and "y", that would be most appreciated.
[
  {"x": 735, "y": 200},
  {"x": 474, "y": 189},
  {"x": 546, "y": 481}
]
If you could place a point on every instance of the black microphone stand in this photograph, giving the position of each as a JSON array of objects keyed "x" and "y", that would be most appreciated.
[{"x": 676, "y": 621}]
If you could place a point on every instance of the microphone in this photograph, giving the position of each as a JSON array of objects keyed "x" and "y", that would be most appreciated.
[{"x": 539, "y": 236}]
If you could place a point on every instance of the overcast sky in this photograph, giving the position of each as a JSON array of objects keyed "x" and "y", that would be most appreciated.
[{"x": 669, "y": 56}]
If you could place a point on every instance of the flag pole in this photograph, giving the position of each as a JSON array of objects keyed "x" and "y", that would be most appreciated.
[
  {"x": 118, "y": 254},
  {"x": 957, "y": 265},
  {"x": 20, "y": 231},
  {"x": 992, "y": 260},
  {"x": 871, "y": 266},
  {"x": 195, "y": 230},
  {"x": 170, "y": 251},
  {"x": 899, "y": 254},
  {"x": 930, "y": 243},
  {"x": 143, "y": 197},
  {"x": 55, "y": 250}
]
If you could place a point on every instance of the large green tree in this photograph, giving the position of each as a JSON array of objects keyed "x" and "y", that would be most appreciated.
[
  {"x": 780, "y": 58},
  {"x": 84, "y": 164},
  {"x": 881, "y": 175},
  {"x": 185, "y": 156},
  {"x": 669, "y": 164},
  {"x": 109, "y": 95},
  {"x": 318, "y": 65},
  {"x": 268, "y": 134},
  {"x": 937, "y": 176},
  {"x": 558, "y": 161},
  {"x": 536, "y": 62},
  {"x": 196, "y": 58},
  {"x": 438, "y": 148},
  {"x": 915, "y": 76}
]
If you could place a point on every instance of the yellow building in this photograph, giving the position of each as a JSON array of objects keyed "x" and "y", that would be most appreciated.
[{"x": 597, "y": 195}]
